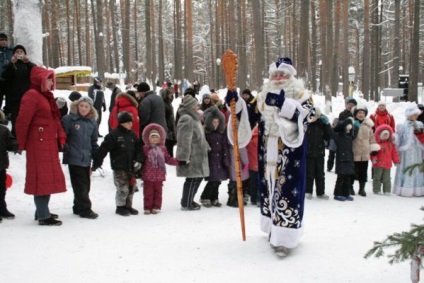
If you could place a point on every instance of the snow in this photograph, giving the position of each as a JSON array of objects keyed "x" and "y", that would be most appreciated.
[
  {"x": 199, "y": 246},
  {"x": 67, "y": 69}
]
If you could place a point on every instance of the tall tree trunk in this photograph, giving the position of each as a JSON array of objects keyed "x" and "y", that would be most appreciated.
[
  {"x": 126, "y": 38},
  {"x": 47, "y": 40},
  {"x": 189, "y": 67},
  {"x": 78, "y": 29},
  {"x": 241, "y": 44},
  {"x": 161, "y": 63},
  {"x": 303, "y": 58},
  {"x": 414, "y": 62},
  {"x": 345, "y": 62},
  {"x": 259, "y": 70},
  {"x": 396, "y": 46},
  {"x": 366, "y": 55},
  {"x": 56, "y": 47},
  {"x": 99, "y": 35},
  {"x": 148, "y": 42},
  {"x": 88, "y": 36},
  {"x": 70, "y": 36},
  {"x": 178, "y": 50},
  {"x": 314, "y": 49}
]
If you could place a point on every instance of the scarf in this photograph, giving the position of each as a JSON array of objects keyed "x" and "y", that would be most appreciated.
[{"x": 156, "y": 157}]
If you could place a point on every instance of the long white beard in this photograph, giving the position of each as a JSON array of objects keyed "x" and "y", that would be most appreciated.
[{"x": 293, "y": 88}]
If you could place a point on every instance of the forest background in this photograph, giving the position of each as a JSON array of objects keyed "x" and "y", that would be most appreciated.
[{"x": 336, "y": 45}]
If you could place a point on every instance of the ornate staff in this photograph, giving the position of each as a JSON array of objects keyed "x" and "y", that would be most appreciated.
[{"x": 230, "y": 65}]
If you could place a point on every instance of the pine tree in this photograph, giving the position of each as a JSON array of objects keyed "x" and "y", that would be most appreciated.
[{"x": 411, "y": 247}]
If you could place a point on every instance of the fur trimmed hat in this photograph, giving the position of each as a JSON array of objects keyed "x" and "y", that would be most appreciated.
[
  {"x": 153, "y": 129},
  {"x": 283, "y": 64},
  {"x": 412, "y": 110},
  {"x": 384, "y": 133},
  {"x": 125, "y": 117}
]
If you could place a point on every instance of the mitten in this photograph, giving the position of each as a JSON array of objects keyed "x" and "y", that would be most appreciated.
[
  {"x": 64, "y": 148},
  {"x": 230, "y": 95},
  {"x": 137, "y": 166},
  {"x": 273, "y": 99}
]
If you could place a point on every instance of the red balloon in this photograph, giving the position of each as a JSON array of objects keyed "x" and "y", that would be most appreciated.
[{"x": 9, "y": 181}]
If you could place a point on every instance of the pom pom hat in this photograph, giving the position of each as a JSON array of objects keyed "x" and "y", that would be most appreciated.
[{"x": 283, "y": 64}]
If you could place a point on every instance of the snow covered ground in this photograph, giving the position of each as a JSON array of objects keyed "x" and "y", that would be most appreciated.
[{"x": 199, "y": 246}]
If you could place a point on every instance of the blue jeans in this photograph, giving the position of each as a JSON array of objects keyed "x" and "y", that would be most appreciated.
[{"x": 42, "y": 207}]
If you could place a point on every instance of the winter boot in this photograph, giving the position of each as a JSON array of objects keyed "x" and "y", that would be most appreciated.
[
  {"x": 351, "y": 191},
  {"x": 122, "y": 210},
  {"x": 132, "y": 210},
  {"x": 6, "y": 214},
  {"x": 49, "y": 222},
  {"x": 232, "y": 196},
  {"x": 362, "y": 190}
]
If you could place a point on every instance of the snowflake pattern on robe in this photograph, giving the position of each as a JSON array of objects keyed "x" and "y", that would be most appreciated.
[{"x": 287, "y": 201}]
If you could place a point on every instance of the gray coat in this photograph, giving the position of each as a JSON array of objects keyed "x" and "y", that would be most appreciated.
[
  {"x": 81, "y": 134},
  {"x": 191, "y": 145}
]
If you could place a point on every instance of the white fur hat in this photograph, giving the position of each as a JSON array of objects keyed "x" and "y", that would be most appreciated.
[
  {"x": 412, "y": 110},
  {"x": 283, "y": 64}
]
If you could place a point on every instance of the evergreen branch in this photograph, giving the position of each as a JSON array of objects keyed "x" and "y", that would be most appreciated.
[
  {"x": 411, "y": 168},
  {"x": 407, "y": 243}
]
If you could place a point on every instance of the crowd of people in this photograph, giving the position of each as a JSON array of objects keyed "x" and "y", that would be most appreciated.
[{"x": 281, "y": 135}]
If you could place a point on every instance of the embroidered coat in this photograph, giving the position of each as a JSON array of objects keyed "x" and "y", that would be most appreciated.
[{"x": 411, "y": 151}]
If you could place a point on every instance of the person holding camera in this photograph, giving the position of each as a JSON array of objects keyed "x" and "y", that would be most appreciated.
[{"x": 16, "y": 76}]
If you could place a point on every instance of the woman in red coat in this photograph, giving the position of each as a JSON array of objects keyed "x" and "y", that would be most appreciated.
[
  {"x": 39, "y": 132},
  {"x": 125, "y": 102}
]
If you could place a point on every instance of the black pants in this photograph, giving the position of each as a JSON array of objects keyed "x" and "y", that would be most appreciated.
[
  {"x": 361, "y": 172},
  {"x": 315, "y": 172},
  {"x": 191, "y": 185},
  {"x": 2, "y": 191},
  {"x": 211, "y": 190},
  {"x": 343, "y": 185},
  {"x": 253, "y": 186},
  {"x": 80, "y": 180}
]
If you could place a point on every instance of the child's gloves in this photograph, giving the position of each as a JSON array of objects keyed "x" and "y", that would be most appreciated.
[
  {"x": 230, "y": 95},
  {"x": 273, "y": 99},
  {"x": 137, "y": 166}
]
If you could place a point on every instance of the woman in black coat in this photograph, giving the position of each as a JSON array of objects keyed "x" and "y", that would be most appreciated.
[{"x": 345, "y": 166}]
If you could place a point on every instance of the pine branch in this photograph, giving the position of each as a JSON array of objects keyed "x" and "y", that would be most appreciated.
[
  {"x": 411, "y": 168},
  {"x": 407, "y": 243}
]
